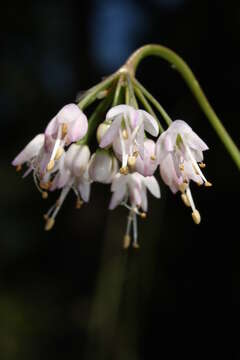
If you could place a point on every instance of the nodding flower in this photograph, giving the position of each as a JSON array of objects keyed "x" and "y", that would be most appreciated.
[
  {"x": 131, "y": 191},
  {"x": 68, "y": 126},
  {"x": 72, "y": 174},
  {"x": 126, "y": 133},
  {"x": 180, "y": 154}
]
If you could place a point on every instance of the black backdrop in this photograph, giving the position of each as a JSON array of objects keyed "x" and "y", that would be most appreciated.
[{"x": 176, "y": 293}]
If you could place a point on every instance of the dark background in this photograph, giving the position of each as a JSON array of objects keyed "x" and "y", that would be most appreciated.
[{"x": 71, "y": 293}]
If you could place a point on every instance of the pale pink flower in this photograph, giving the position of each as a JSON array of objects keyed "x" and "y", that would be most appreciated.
[
  {"x": 127, "y": 127},
  {"x": 131, "y": 191},
  {"x": 103, "y": 166},
  {"x": 68, "y": 126},
  {"x": 72, "y": 174},
  {"x": 179, "y": 149},
  {"x": 149, "y": 163}
]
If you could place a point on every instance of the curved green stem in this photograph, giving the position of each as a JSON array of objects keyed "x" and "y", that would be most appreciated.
[
  {"x": 147, "y": 106},
  {"x": 179, "y": 64},
  {"x": 92, "y": 93},
  {"x": 157, "y": 105},
  {"x": 96, "y": 118}
]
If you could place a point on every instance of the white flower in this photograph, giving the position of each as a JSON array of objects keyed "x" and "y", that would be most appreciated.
[
  {"x": 179, "y": 149},
  {"x": 131, "y": 191},
  {"x": 73, "y": 174},
  {"x": 68, "y": 126},
  {"x": 126, "y": 131}
]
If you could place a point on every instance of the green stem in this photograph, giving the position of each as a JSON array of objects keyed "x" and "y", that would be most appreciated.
[
  {"x": 147, "y": 106},
  {"x": 118, "y": 91},
  {"x": 96, "y": 118},
  {"x": 92, "y": 93},
  {"x": 179, "y": 64},
  {"x": 132, "y": 98},
  {"x": 157, "y": 105}
]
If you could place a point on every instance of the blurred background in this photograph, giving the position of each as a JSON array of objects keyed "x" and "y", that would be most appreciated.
[{"x": 72, "y": 293}]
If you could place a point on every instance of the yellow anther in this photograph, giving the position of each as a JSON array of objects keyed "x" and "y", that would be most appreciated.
[
  {"x": 153, "y": 157},
  {"x": 136, "y": 246},
  {"x": 131, "y": 161},
  {"x": 124, "y": 170},
  {"x": 49, "y": 224},
  {"x": 181, "y": 167},
  {"x": 64, "y": 129},
  {"x": 79, "y": 203},
  {"x": 202, "y": 165},
  {"x": 18, "y": 168},
  {"x": 44, "y": 195},
  {"x": 143, "y": 215},
  {"x": 59, "y": 153},
  {"x": 126, "y": 241},
  {"x": 208, "y": 184},
  {"x": 45, "y": 216},
  {"x": 50, "y": 165},
  {"x": 135, "y": 154},
  {"x": 45, "y": 186},
  {"x": 199, "y": 183},
  {"x": 125, "y": 134},
  {"x": 185, "y": 200},
  {"x": 196, "y": 217},
  {"x": 182, "y": 187}
]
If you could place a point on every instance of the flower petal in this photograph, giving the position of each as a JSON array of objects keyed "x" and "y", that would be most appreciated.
[
  {"x": 111, "y": 132},
  {"x": 30, "y": 151},
  {"x": 150, "y": 123},
  {"x": 152, "y": 185}
]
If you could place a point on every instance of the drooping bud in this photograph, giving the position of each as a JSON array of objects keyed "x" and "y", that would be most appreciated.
[
  {"x": 101, "y": 131},
  {"x": 103, "y": 166}
]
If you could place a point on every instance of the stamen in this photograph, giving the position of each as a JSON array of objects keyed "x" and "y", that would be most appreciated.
[
  {"x": 195, "y": 165},
  {"x": 131, "y": 161},
  {"x": 125, "y": 134},
  {"x": 202, "y": 165},
  {"x": 124, "y": 155},
  {"x": 49, "y": 224},
  {"x": 143, "y": 215},
  {"x": 126, "y": 241},
  {"x": 181, "y": 167},
  {"x": 124, "y": 170},
  {"x": 44, "y": 195},
  {"x": 64, "y": 130},
  {"x": 153, "y": 157},
  {"x": 59, "y": 153},
  {"x": 135, "y": 233},
  {"x": 18, "y": 168},
  {"x": 183, "y": 187},
  {"x": 185, "y": 200},
  {"x": 50, "y": 165},
  {"x": 190, "y": 199},
  {"x": 208, "y": 184},
  {"x": 79, "y": 203},
  {"x": 196, "y": 216},
  {"x": 45, "y": 186}
]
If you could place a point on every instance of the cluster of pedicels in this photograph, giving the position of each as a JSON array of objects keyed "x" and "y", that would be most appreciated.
[{"x": 130, "y": 151}]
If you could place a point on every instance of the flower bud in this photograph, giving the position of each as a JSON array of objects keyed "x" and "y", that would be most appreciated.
[
  {"x": 101, "y": 131},
  {"x": 103, "y": 166}
]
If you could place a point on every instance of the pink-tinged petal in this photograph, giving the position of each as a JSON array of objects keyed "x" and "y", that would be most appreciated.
[
  {"x": 80, "y": 161},
  {"x": 152, "y": 185},
  {"x": 150, "y": 123},
  {"x": 195, "y": 142},
  {"x": 77, "y": 129},
  {"x": 84, "y": 188},
  {"x": 70, "y": 155},
  {"x": 144, "y": 200},
  {"x": 190, "y": 173},
  {"x": 52, "y": 128},
  {"x": 30, "y": 151},
  {"x": 117, "y": 197},
  {"x": 119, "y": 181},
  {"x": 119, "y": 110},
  {"x": 168, "y": 173},
  {"x": 140, "y": 141},
  {"x": 134, "y": 118},
  {"x": 100, "y": 167},
  {"x": 168, "y": 144},
  {"x": 112, "y": 132},
  {"x": 68, "y": 113},
  {"x": 135, "y": 196},
  {"x": 179, "y": 126}
]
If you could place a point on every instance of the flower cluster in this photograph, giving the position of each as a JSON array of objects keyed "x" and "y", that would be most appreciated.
[{"x": 130, "y": 151}]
